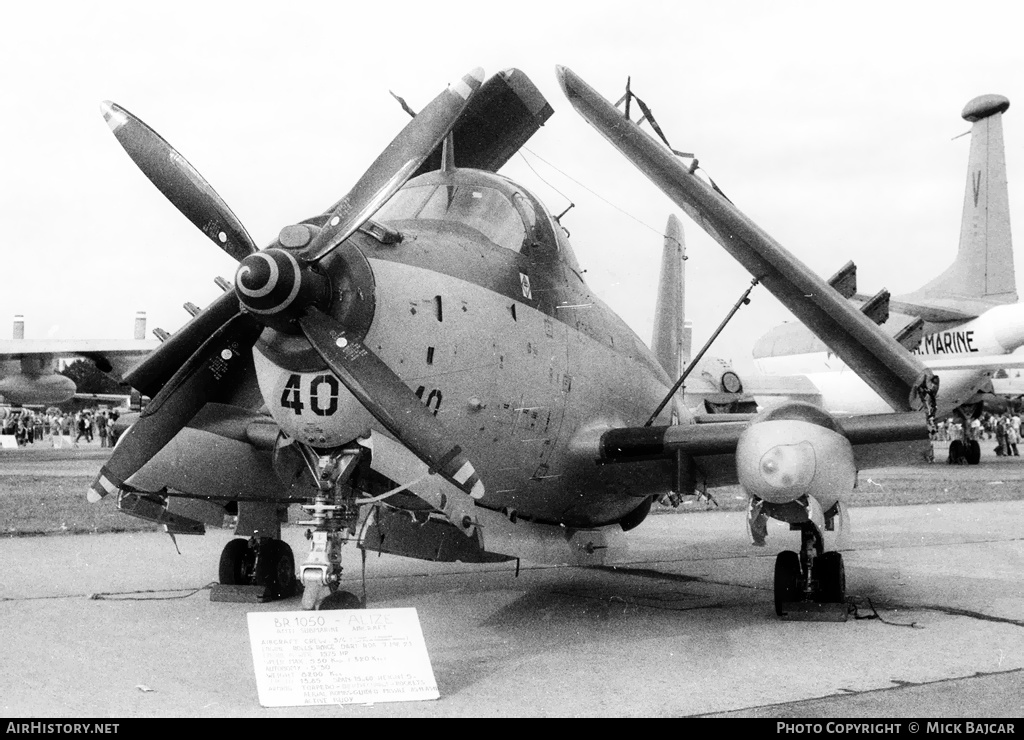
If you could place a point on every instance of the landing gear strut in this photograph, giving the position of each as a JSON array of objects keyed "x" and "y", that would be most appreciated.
[
  {"x": 333, "y": 518},
  {"x": 812, "y": 576}
]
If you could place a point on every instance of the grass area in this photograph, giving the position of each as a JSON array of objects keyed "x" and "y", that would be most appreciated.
[{"x": 54, "y": 504}]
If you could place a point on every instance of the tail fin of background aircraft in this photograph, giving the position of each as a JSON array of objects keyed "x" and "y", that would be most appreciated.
[
  {"x": 140, "y": 325},
  {"x": 983, "y": 270},
  {"x": 19, "y": 327},
  {"x": 668, "y": 340}
]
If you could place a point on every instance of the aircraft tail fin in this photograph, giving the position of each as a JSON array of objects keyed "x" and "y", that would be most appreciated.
[
  {"x": 668, "y": 340},
  {"x": 983, "y": 271},
  {"x": 19, "y": 327},
  {"x": 140, "y": 325}
]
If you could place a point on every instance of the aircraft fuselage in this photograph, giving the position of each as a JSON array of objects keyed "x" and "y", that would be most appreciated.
[
  {"x": 997, "y": 332},
  {"x": 508, "y": 347}
]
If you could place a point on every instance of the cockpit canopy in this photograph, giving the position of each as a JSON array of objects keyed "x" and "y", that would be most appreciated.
[{"x": 492, "y": 205}]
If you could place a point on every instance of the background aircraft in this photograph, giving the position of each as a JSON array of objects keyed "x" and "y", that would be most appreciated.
[
  {"x": 712, "y": 385},
  {"x": 29, "y": 367},
  {"x": 423, "y": 366},
  {"x": 964, "y": 323}
]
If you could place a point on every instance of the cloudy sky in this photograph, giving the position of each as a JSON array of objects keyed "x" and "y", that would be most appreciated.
[{"x": 831, "y": 125}]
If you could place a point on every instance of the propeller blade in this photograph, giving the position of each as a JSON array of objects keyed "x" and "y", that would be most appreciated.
[
  {"x": 396, "y": 164},
  {"x": 179, "y": 181},
  {"x": 216, "y": 365},
  {"x": 150, "y": 375},
  {"x": 390, "y": 400}
]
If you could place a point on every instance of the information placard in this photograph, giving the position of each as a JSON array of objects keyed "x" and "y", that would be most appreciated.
[{"x": 340, "y": 657}]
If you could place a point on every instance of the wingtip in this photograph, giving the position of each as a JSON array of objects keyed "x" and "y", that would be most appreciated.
[
  {"x": 103, "y": 485},
  {"x": 469, "y": 83},
  {"x": 113, "y": 114},
  {"x": 566, "y": 78}
]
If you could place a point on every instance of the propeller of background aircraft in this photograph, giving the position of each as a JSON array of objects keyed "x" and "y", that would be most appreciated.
[{"x": 281, "y": 287}]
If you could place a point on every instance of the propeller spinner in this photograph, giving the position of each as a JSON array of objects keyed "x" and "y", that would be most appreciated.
[{"x": 281, "y": 288}]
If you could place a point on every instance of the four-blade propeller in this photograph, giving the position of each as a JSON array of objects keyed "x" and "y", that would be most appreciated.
[{"x": 202, "y": 362}]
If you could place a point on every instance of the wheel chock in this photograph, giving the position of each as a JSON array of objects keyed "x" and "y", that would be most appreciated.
[
  {"x": 813, "y": 611},
  {"x": 242, "y": 594}
]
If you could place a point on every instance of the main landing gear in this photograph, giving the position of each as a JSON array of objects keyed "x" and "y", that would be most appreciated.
[
  {"x": 264, "y": 567},
  {"x": 811, "y": 577},
  {"x": 964, "y": 452},
  {"x": 259, "y": 561}
]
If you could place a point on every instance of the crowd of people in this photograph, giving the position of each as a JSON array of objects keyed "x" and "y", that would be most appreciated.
[
  {"x": 59, "y": 428},
  {"x": 1003, "y": 428}
]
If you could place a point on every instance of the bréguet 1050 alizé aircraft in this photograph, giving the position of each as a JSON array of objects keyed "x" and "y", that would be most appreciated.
[{"x": 423, "y": 367}]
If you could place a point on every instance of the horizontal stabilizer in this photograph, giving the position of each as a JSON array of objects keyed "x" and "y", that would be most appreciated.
[
  {"x": 793, "y": 386},
  {"x": 845, "y": 281},
  {"x": 937, "y": 311}
]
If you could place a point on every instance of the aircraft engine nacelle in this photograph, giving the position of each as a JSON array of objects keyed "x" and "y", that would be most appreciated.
[
  {"x": 795, "y": 450},
  {"x": 42, "y": 390}
]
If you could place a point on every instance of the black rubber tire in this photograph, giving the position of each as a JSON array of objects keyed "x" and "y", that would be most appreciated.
[
  {"x": 956, "y": 452},
  {"x": 236, "y": 564},
  {"x": 973, "y": 452},
  {"x": 831, "y": 578},
  {"x": 275, "y": 568},
  {"x": 788, "y": 578},
  {"x": 340, "y": 600}
]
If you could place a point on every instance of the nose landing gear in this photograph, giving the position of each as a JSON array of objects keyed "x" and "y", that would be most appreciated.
[{"x": 333, "y": 518}]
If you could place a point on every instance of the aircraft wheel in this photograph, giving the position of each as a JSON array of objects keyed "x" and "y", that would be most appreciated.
[
  {"x": 276, "y": 568},
  {"x": 956, "y": 452},
  {"x": 788, "y": 577},
  {"x": 973, "y": 452},
  {"x": 237, "y": 563},
  {"x": 341, "y": 600},
  {"x": 831, "y": 578},
  {"x": 313, "y": 594}
]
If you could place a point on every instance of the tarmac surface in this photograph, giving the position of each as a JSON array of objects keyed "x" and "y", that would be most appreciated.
[{"x": 121, "y": 625}]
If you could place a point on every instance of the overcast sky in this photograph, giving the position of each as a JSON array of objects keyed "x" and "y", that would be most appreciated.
[{"x": 831, "y": 125}]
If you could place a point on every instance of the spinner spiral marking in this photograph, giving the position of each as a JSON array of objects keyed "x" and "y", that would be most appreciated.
[{"x": 268, "y": 282}]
